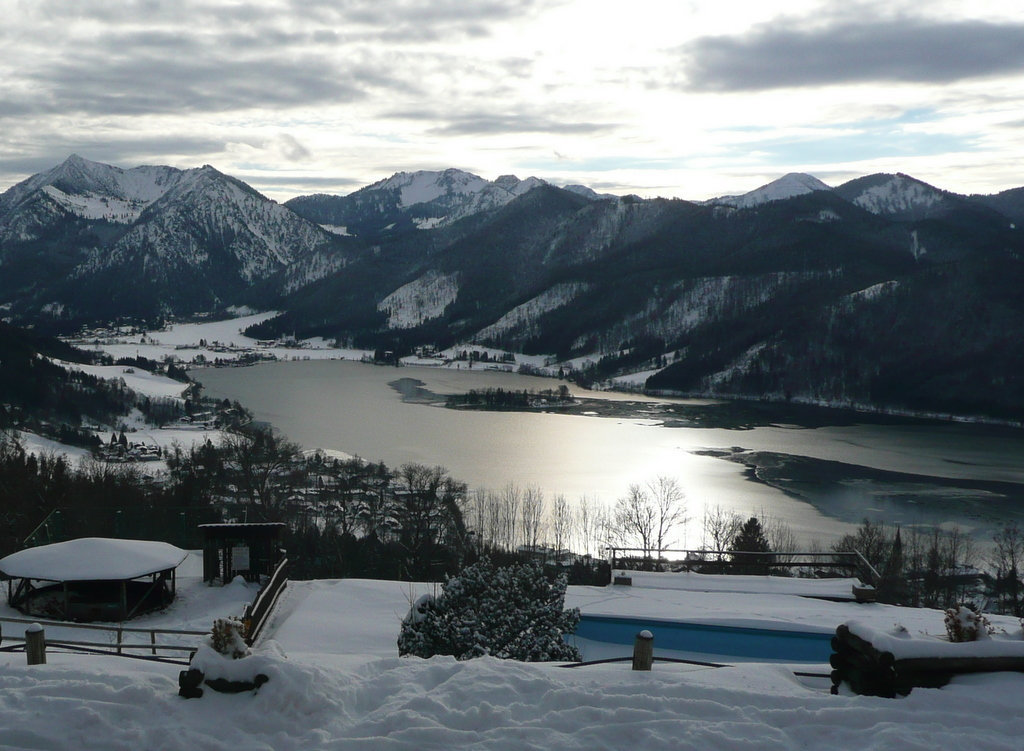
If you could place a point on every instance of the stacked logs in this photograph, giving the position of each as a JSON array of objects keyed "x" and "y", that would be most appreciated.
[{"x": 873, "y": 672}]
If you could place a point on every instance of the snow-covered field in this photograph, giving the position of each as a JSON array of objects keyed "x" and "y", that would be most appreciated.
[
  {"x": 225, "y": 341},
  {"x": 337, "y": 683},
  {"x": 213, "y": 340},
  {"x": 138, "y": 380}
]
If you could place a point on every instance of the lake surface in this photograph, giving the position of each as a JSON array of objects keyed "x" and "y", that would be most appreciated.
[{"x": 820, "y": 471}]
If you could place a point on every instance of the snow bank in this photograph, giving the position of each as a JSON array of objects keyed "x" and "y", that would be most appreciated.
[{"x": 86, "y": 703}]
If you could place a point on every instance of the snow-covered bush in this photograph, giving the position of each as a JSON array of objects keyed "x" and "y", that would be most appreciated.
[
  {"x": 226, "y": 637},
  {"x": 513, "y": 613},
  {"x": 963, "y": 624}
]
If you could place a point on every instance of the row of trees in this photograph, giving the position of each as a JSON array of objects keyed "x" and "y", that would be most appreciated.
[
  {"x": 942, "y": 568},
  {"x": 349, "y": 517}
]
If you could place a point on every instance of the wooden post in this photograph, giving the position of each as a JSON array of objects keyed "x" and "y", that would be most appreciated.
[
  {"x": 643, "y": 650},
  {"x": 35, "y": 644}
]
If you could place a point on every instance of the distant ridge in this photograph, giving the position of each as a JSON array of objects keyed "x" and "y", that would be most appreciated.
[
  {"x": 787, "y": 186},
  {"x": 882, "y": 291}
]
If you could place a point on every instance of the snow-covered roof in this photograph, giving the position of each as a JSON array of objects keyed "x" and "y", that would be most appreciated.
[{"x": 92, "y": 559}]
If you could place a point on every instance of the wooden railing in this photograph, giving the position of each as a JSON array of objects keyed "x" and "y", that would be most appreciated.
[
  {"x": 735, "y": 561},
  {"x": 118, "y": 644},
  {"x": 258, "y": 613}
]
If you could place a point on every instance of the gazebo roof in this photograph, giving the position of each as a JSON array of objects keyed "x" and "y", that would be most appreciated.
[{"x": 92, "y": 559}]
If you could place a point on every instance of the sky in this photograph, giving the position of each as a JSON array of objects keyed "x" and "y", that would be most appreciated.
[{"x": 675, "y": 98}]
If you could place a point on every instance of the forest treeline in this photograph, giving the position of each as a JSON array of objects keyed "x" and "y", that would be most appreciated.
[{"x": 348, "y": 517}]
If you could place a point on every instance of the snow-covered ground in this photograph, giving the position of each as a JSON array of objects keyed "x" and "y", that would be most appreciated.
[
  {"x": 138, "y": 380},
  {"x": 337, "y": 683},
  {"x": 38, "y": 445},
  {"x": 225, "y": 341},
  {"x": 212, "y": 340}
]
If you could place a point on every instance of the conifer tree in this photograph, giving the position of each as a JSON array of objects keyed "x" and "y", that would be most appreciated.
[{"x": 751, "y": 539}]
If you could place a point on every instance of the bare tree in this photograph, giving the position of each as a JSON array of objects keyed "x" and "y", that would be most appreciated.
[
  {"x": 264, "y": 467},
  {"x": 477, "y": 517},
  {"x": 781, "y": 536},
  {"x": 591, "y": 526},
  {"x": 669, "y": 508},
  {"x": 531, "y": 515},
  {"x": 429, "y": 513},
  {"x": 635, "y": 520},
  {"x": 377, "y": 510},
  {"x": 559, "y": 523},
  {"x": 508, "y": 512},
  {"x": 1007, "y": 557},
  {"x": 720, "y": 529}
]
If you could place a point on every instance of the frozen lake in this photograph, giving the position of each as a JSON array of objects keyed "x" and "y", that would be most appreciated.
[{"x": 818, "y": 470}]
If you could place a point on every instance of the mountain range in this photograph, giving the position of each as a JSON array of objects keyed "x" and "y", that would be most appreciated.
[{"x": 882, "y": 291}]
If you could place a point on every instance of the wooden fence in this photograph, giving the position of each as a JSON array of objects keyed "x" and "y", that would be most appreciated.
[
  {"x": 258, "y": 613},
  {"x": 122, "y": 640}
]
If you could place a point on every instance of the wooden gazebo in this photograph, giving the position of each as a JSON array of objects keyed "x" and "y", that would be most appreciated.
[
  {"x": 92, "y": 578},
  {"x": 247, "y": 550}
]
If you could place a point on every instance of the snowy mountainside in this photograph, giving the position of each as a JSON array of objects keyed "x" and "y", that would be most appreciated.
[
  {"x": 420, "y": 300},
  {"x": 523, "y": 319},
  {"x": 412, "y": 188},
  {"x": 189, "y": 240},
  {"x": 208, "y": 213},
  {"x": 787, "y": 186},
  {"x": 412, "y": 200},
  {"x": 898, "y": 196},
  {"x": 310, "y": 268},
  {"x": 95, "y": 191}
]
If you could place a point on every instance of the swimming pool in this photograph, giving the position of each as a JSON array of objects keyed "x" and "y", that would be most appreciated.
[{"x": 714, "y": 641}]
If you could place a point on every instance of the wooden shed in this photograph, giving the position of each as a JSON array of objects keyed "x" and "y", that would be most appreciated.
[
  {"x": 92, "y": 578},
  {"x": 247, "y": 550}
]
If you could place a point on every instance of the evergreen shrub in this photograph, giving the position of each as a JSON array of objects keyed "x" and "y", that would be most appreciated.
[{"x": 512, "y": 613}]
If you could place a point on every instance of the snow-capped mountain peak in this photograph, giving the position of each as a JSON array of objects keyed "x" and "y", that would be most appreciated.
[
  {"x": 409, "y": 200},
  {"x": 787, "y": 186},
  {"x": 92, "y": 190},
  {"x": 425, "y": 186},
  {"x": 895, "y": 195}
]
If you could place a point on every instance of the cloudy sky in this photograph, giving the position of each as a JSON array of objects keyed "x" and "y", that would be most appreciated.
[{"x": 687, "y": 98}]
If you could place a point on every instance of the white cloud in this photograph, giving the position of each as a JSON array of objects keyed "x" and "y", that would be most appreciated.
[{"x": 299, "y": 96}]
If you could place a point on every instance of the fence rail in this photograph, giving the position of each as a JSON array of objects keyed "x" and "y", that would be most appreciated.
[
  {"x": 738, "y": 561},
  {"x": 257, "y": 614},
  {"x": 117, "y": 646}
]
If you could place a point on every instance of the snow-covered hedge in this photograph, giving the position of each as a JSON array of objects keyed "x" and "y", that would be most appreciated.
[{"x": 513, "y": 613}]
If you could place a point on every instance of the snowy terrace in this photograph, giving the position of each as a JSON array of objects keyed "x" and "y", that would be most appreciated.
[{"x": 336, "y": 682}]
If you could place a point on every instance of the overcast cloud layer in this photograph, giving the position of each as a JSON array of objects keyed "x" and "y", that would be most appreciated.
[{"x": 657, "y": 97}]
